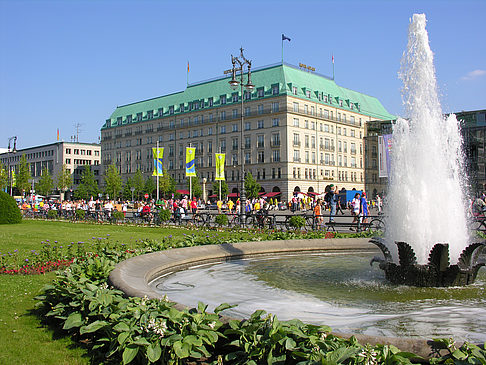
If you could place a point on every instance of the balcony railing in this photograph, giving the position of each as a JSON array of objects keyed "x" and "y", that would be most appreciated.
[{"x": 296, "y": 143}]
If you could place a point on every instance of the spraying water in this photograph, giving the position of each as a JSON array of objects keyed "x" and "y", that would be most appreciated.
[{"x": 426, "y": 192}]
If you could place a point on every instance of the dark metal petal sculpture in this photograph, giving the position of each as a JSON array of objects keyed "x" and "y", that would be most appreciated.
[{"x": 437, "y": 272}]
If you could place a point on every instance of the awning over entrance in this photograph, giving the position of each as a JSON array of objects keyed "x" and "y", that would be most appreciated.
[{"x": 186, "y": 192}]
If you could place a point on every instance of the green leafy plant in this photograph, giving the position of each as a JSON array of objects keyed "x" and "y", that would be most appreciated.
[
  {"x": 297, "y": 222},
  {"x": 118, "y": 216},
  {"x": 9, "y": 212},
  {"x": 221, "y": 220},
  {"x": 164, "y": 215},
  {"x": 52, "y": 214},
  {"x": 80, "y": 214}
]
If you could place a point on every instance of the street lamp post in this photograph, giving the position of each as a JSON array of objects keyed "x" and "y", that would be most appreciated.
[
  {"x": 235, "y": 82},
  {"x": 13, "y": 150}
]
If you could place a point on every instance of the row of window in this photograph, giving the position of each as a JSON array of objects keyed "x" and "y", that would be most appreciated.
[
  {"x": 327, "y": 159},
  {"x": 81, "y": 162},
  {"x": 326, "y": 114},
  {"x": 193, "y": 105},
  {"x": 327, "y": 98},
  {"x": 39, "y": 154},
  {"x": 82, "y": 152},
  {"x": 310, "y": 174}
]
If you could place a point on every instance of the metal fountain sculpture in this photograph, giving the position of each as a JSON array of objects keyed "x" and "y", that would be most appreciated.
[{"x": 437, "y": 272}]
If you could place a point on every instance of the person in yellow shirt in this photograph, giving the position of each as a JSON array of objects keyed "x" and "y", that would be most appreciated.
[
  {"x": 219, "y": 204},
  {"x": 230, "y": 206},
  {"x": 257, "y": 206}
]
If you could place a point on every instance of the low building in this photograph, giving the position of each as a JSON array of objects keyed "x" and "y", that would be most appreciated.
[{"x": 74, "y": 155}]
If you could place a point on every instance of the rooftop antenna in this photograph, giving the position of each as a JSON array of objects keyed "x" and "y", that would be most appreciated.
[{"x": 77, "y": 130}]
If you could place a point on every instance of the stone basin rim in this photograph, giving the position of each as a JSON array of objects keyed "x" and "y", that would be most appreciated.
[{"x": 133, "y": 276}]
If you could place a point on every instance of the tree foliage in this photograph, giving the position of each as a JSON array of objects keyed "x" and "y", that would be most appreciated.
[
  {"x": 167, "y": 184},
  {"x": 138, "y": 183},
  {"x": 149, "y": 186},
  {"x": 113, "y": 182},
  {"x": 3, "y": 177},
  {"x": 89, "y": 186},
  {"x": 224, "y": 189},
  {"x": 23, "y": 177},
  {"x": 64, "y": 179},
  {"x": 45, "y": 184},
  {"x": 252, "y": 188},
  {"x": 196, "y": 186}
]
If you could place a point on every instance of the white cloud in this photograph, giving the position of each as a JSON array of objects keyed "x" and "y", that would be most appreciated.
[{"x": 473, "y": 75}]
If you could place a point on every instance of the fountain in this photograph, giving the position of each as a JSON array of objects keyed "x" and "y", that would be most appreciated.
[{"x": 427, "y": 211}]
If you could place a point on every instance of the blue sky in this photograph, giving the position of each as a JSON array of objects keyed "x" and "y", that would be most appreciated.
[{"x": 68, "y": 62}]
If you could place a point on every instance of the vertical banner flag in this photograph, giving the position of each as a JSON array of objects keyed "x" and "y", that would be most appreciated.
[
  {"x": 220, "y": 166},
  {"x": 158, "y": 155},
  {"x": 14, "y": 180},
  {"x": 384, "y": 158},
  {"x": 190, "y": 161}
]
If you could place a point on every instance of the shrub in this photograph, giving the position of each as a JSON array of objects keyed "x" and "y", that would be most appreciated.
[
  {"x": 52, "y": 214},
  {"x": 80, "y": 214},
  {"x": 297, "y": 222},
  {"x": 221, "y": 220},
  {"x": 9, "y": 211},
  {"x": 164, "y": 215},
  {"x": 118, "y": 216}
]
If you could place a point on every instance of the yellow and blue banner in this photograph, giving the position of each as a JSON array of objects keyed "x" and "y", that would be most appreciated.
[
  {"x": 14, "y": 180},
  {"x": 158, "y": 156},
  {"x": 190, "y": 161},
  {"x": 220, "y": 157}
]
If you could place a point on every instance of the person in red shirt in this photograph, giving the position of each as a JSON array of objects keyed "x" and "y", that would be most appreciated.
[{"x": 193, "y": 206}]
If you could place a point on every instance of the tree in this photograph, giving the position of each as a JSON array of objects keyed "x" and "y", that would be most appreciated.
[
  {"x": 252, "y": 188},
  {"x": 88, "y": 187},
  {"x": 64, "y": 180},
  {"x": 23, "y": 177},
  {"x": 149, "y": 185},
  {"x": 45, "y": 184},
  {"x": 113, "y": 181},
  {"x": 167, "y": 184},
  {"x": 127, "y": 192},
  {"x": 3, "y": 177},
  {"x": 196, "y": 186},
  {"x": 224, "y": 189},
  {"x": 138, "y": 184}
]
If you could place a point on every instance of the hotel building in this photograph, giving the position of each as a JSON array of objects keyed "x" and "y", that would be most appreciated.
[{"x": 301, "y": 131}]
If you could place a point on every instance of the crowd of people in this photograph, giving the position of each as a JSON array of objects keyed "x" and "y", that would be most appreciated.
[{"x": 103, "y": 209}]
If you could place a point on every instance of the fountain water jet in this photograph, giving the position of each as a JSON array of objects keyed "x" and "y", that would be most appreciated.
[{"x": 426, "y": 197}]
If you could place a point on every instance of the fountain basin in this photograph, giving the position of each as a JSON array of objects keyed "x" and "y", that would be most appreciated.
[{"x": 134, "y": 276}]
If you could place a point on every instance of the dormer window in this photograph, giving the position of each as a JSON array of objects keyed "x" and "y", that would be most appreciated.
[
  {"x": 275, "y": 89},
  {"x": 181, "y": 107},
  {"x": 150, "y": 114},
  {"x": 171, "y": 110},
  {"x": 223, "y": 99},
  {"x": 235, "y": 97},
  {"x": 139, "y": 117},
  {"x": 260, "y": 92},
  {"x": 308, "y": 93},
  {"x": 119, "y": 120},
  {"x": 294, "y": 90},
  {"x": 210, "y": 102}
]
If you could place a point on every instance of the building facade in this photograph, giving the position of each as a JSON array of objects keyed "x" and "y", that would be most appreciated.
[
  {"x": 301, "y": 132},
  {"x": 374, "y": 183},
  {"x": 473, "y": 129},
  {"x": 74, "y": 155}
]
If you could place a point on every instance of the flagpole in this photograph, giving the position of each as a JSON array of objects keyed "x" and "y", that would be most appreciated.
[
  {"x": 282, "y": 51},
  {"x": 333, "y": 67},
  {"x": 157, "y": 171},
  {"x": 187, "y": 73}
]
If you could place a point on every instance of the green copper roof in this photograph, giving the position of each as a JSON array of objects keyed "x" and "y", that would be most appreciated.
[{"x": 285, "y": 76}]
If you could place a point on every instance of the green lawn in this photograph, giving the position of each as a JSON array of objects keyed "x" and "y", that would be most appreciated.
[{"x": 23, "y": 339}]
